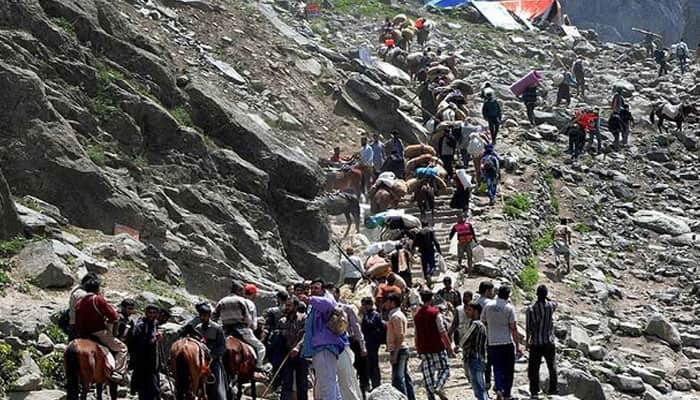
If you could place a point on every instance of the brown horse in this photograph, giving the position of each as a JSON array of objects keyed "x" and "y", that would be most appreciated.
[
  {"x": 239, "y": 362},
  {"x": 383, "y": 200},
  {"x": 425, "y": 197},
  {"x": 85, "y": 364},
  {"x": 344, "y": 181},
  {"x": 189, "y": 362}
]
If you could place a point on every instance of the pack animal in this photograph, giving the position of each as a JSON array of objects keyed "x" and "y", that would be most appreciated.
[
  {"x": 239, "y": 363},
  {"x": 190, "y": 365},
  {"x": 85, "y": 364},
  {"x": 345, "y": 203},
  {"x": 350, "y": 180},
  {"x": 677, "y": 114}
]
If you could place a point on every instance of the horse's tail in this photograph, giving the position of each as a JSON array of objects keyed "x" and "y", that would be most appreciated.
[
  {"x": 182, "y": 376},
  {"x": 71, "y": 367}
]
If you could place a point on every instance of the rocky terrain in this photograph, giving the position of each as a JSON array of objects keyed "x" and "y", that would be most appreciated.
[
  {"x": 196, "y": 123},
  {"x": 614, "y": 20}
]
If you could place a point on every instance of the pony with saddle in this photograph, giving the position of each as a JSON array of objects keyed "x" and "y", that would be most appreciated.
[
  {"x": 189, "y": 362},
  {"x": 676, "y": 113},
  {"x": 239, "y": 363},
  {"x": 86, "y": 363}
]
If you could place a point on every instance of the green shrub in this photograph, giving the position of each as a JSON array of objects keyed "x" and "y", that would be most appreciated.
[
  {"x": 64, "y": 24},
  {"x": 9, "y": 363},
  {"x": 56, "y": 334},
  {"x": 529, "y": 276},
  {"x": 51, "y": 366},
  {"x": 582, "y": 228},
  {"x": 543, "y": 242},
  {"x": 517, "y": 205},
  {"x": 12, "y": 247},
  {"x": 96, "y": 154},
  {"x": 182, "y": 115}
]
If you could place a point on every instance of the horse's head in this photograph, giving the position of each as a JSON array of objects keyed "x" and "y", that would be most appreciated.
[{"x": 690, "y": 109}]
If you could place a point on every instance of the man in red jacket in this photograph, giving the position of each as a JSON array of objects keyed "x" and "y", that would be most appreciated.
[
  {"x": 92, "y": 313},
  {"x": 433, "y": 345}
]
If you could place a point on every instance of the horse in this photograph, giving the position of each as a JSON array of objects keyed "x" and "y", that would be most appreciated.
[
  {"x": 190, "y": 364},
  {"x": 239, "y": 362},
  {"x": 383, "y": 200},
  {"x": 350, "y": 180},
  {"x": 677, "y": 114},
  {"x": 345, "y": 203},
  {"x": 85, "y": 364},
  {"x": 425, "y": 197}
]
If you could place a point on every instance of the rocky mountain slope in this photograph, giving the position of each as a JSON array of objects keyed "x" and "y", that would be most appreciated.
[
  {"x": 196, "y": 123},
  {"x": 614, "y": 20}
]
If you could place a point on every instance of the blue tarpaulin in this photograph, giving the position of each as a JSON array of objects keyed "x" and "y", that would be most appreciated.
[{"x": 446, "y": 3}]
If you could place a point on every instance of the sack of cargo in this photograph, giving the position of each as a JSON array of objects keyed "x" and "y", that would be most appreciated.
[
  {"x": 386, "y": 246},
  {"x": 441, "y": 171},
  {"x": 410, "y": 221},
  {"x": 478, "y": 253},
  {"x": 400, "y": 188},
  {"x": 440, "y": 185},
  {"x": 557, "y": 79},
  {"x": 379, "y": 271},
  {"x": 531, "y": 79},
  {"x": 464, "y": 178},
  {"x": 436, "y": 71},
  {"x": 426, "y": 172},
  {"x": 388, "y": 175},
  {"x": 374, "y": 221},
  {"x": 419, "y": 161},
  {"x": 412, "y": 185},
  {"x": 338, "y": 321},
  {"x": 399, "y": 19}
]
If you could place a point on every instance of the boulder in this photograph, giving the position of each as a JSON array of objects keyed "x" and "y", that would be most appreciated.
[
  {"x": 29, "y": 375},
  {"x": 578, "y": 338},
  {"x": 38, "y": 395},
  {"x": 25, "y": 321},
  {"x": 660, "y": 222},
  {"x": 626, "y": 87},
  {"x": 377, "y": 106},
  {"x": 10, "y": 224},
  {"x": 660, "y": 327},
  {"x": 628, "y": 384},
  {"x": 386, "y": 392},
  {"x": 44, "y": 344},
  {"x": 558, "y": 118},
  {"x": 227, "y": 70},
  {"x": 39, "y": 263},
  {"x": 581, "y": 384}
]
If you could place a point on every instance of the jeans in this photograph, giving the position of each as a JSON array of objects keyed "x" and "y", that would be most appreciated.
[
  {"x": 547, "y": 351},
  {"x": 503, "y": 359},
  {"x": 299, "y": 366},
  {"x": 494, "y": 126},
  {"x": 400, "y": 379},
  {"x": 373, "y": 370},
  {"x": 491, "y": 186},
  {"x": 325, "y": 364},
  {"x": 427, "y": 260},
  {"x": 476, "y": 369}
]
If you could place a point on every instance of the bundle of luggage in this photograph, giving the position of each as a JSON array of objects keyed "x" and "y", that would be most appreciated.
[{"x": 397, "y": 187}]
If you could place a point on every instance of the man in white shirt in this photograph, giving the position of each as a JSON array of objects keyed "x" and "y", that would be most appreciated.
[
  {"x": 366, "y": 163},
  {"x": 500, "y": 321}
]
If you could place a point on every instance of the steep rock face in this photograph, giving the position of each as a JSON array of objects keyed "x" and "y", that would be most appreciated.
[
  {"x": 614, "y": 19},
  {"x": 10, "y": 225},
  {"x": 88, "y": 124}
]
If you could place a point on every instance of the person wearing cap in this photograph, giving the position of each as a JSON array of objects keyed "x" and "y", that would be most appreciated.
[
  {"x": 540, "y": 340},
  {"x": 75, "y": 295},
  {"x": 250, "y": 293},
  {"x": 234, "y": 312},
  {"x": 188, "y": 328},
  {"x": 143, "y": 355},
  {"x": 124, "y": 324},
  {"x": 212, "y": 335},
  {"x": 433, "y": 345},
  {"x": 502, "y": 338}
]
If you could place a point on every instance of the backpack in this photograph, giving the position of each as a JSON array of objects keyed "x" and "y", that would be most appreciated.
[
  {"x": 578, "y": 68},
  {"x": 489, "y": 164},
  {"x": 681, "y": 52},
  {"x": 338, "y": 322}
]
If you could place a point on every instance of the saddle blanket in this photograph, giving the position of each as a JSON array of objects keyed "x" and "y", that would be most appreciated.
[{"x": 109, "y": 358}]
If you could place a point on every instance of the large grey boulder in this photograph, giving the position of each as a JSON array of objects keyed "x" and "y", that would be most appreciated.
[
  {"x": 39, "y": 263},
  {"x": 660, "y": 222},
  {"x": 386, "y": 392},
  {"x": 25, "y": 321},
  {"x": 38, "y": 395},
  {"x": 660, "y": 327},
  {"x": 28, "y": 375},
  {"x": 628, "y": 384},
  {"x": 10, "y": 225},
  {"x": 578, "y": 338},
  {"x": 377, "y": 106},
  {"x": 581, "y": 384}
]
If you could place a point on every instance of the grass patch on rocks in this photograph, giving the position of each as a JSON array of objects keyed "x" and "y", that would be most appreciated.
[
  {"x": 64, "y": 24},
  {"x": 9, "y": 363},
  {"x": 9, "y": 248},
  {"x": 182, "y": 115},
  {"x": 582, "y": 228},
  {"x": 543, "y": 242},
  {"x": 529, "y": 276},
  {"x": 517, "y": 205}
]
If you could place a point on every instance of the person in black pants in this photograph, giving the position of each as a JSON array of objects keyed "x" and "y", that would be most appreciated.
[
  {"x": 374, "y": 331},
  {"x": 539, "y": 338},
  {"x": 529, "y": 97},
  {"x": 491, "y": 111}
]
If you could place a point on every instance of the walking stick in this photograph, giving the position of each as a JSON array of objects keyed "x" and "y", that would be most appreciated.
[{"x": 279, "y": 369}]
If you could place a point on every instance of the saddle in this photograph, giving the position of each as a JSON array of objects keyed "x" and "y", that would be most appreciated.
[{"x": 107, "y": 359}]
